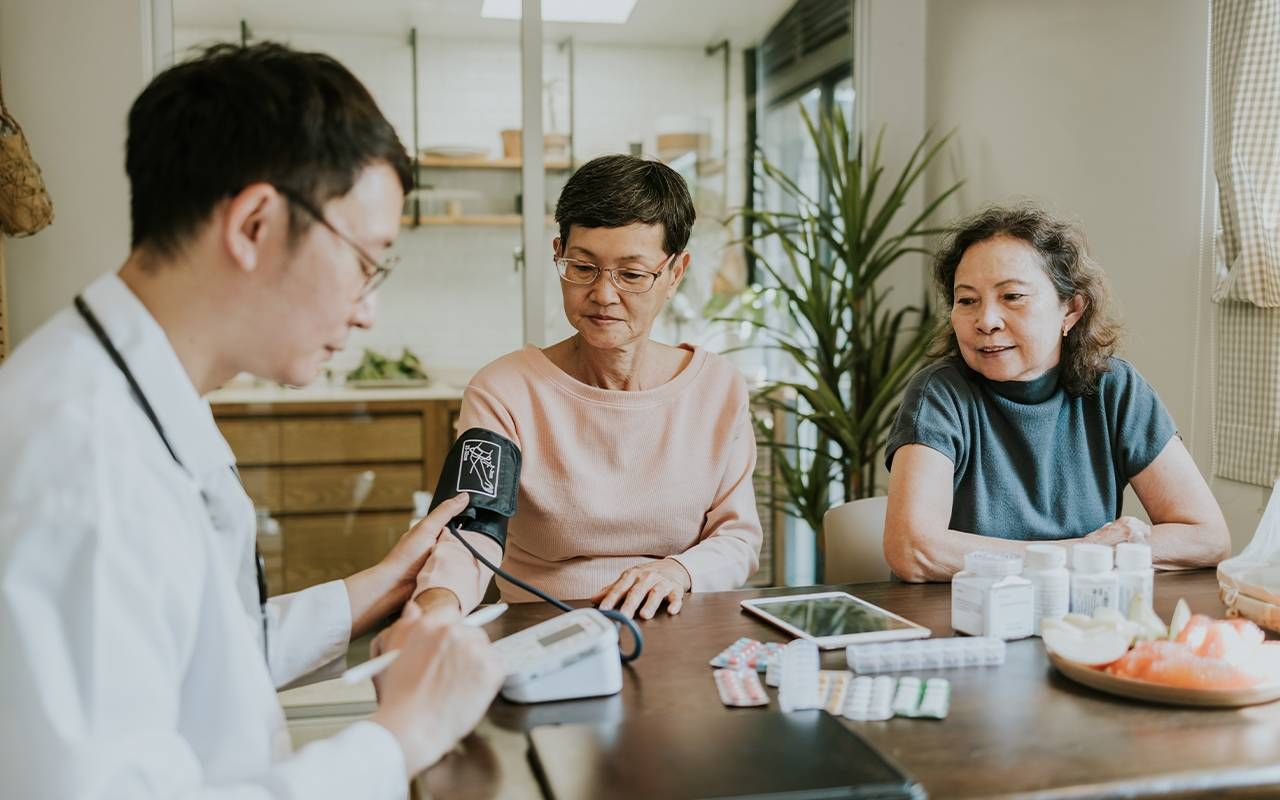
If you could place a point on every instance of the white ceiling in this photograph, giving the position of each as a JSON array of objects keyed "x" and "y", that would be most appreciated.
[{"x": 674, "y": 22}]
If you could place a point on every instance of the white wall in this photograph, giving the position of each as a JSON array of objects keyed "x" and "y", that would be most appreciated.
[
  {"x": 456, "y": 297},
  {"x": 890, "y": 58},
  {"x": 1096, "y": 109},
  {"x": 70, "y": 71}
]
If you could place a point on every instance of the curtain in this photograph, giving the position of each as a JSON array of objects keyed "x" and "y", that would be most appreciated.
[{"x": 1246, "y": 155}]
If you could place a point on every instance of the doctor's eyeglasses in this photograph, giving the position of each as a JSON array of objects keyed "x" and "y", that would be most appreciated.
[{"x": 375, "y": 272}]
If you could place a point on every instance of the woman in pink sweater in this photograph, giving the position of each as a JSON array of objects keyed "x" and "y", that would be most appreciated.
[{"x": 636, "y": 485}]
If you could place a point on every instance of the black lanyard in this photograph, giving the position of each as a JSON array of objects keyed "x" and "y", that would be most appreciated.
[{"x": 96, "y": 327}]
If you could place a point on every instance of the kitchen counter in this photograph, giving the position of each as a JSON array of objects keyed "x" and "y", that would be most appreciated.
[{"x": 325, "y": 393}]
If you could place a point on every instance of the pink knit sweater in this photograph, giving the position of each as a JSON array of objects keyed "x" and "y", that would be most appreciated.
[{"x": 612, "y": 479}]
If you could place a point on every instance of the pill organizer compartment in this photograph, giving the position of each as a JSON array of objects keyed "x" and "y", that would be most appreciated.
[{"x": 974, "y": 651}]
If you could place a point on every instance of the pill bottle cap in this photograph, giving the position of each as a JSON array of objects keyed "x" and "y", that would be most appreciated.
[
  {"x": 992, "y": 565},
  {"x": 1046, "y": 556},
  {"x": 1091, "y": 558},
  {"x": 1133, "y": 556}
]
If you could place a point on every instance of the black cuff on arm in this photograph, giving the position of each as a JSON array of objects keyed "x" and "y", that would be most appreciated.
[{"x": 486, "y": 465}]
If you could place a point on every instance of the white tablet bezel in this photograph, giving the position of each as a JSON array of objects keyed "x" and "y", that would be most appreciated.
[{"x": 758, "y": 606}]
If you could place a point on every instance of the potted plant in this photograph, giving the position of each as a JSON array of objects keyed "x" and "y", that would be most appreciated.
[{"x": 853, "y": 349}]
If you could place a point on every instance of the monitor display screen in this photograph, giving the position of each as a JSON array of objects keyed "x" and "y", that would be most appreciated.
[{"x": 560, "y": 635}]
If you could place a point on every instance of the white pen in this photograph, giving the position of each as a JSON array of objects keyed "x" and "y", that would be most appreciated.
[{"x": 481, "y": 616}]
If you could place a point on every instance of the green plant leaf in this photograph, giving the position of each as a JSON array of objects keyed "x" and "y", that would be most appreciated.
[{"x": 853, "y": 348}]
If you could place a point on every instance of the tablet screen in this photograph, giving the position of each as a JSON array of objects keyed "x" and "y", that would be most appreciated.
[{"x": 833, "y": 616}]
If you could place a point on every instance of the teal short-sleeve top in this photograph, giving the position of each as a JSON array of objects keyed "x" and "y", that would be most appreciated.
[{"x": 1033, "y": 461}]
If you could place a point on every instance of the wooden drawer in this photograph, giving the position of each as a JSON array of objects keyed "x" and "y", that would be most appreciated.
[
  {"x": 441, "y": 420},
  {"x": 254, "y": 441},
  {"x": 331, "y": 546},
  {"x": 311, "y": 489},
  {"x": 335, "y": 440},
  {"x": 263, "y": 486}
]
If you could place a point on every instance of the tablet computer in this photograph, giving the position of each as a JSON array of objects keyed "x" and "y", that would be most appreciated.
[
  {"x": 763, "y": 753},
  {"x": 834, "y": 619}
]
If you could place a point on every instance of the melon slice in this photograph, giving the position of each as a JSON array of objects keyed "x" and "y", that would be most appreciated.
[
  {"x": 1081, "y": 621},
  {"x": 1094, "y": 647},
  {"x": 1141, "y": 613},
  {"x": 1109, "y": 616},
  {"x": 1181, "y": 616},
  {"x": 1067, "y": 628}
]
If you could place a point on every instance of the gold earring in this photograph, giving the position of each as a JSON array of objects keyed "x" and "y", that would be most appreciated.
[{"x": 1065, "y": 329}]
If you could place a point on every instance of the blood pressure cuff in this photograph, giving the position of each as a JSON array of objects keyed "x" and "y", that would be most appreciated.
[{"x": 486, "y": 465}]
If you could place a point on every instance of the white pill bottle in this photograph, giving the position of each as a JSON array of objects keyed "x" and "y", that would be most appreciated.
[
  {"x": 1134, "y": 574},
  {"x": 989, "y": 598},
  {"x": 1093, "y": 582},
  {"x": 1045, "y": 565}
]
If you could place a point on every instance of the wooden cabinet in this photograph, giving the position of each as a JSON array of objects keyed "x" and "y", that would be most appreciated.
[{"x": 339, "y": 477}]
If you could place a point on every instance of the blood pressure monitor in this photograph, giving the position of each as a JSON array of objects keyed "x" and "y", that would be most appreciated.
[{"x": 570, "y": 656}]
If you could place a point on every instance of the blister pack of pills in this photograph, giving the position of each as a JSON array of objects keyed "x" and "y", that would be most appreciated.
[
  {"x": 960, "y": 651},
  {"x": 740, "y": 687},
  {"x": 917, "y": 698},
  {"x": 802, "y": 684},
  {"x": 746, "y": 653},
  {"x": 833, "y": 684},
  {"x": 869, "y": 698},
  {"x": 798, "y": 685},
  {"x": 773, "y": 672},
  {"x": 884, "y": 697}
]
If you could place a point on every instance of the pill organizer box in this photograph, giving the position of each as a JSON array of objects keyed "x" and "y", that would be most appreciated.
[{"x": 961, "y": 651}]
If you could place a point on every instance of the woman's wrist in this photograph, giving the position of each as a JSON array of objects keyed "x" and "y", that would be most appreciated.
[
  {"x": 680, "y": 573},
  {"x": 440, "y": 600}
]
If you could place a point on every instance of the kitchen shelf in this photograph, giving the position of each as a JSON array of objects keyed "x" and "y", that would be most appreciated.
[
  {"x": 439, "y": 162},
  {"x": 469, "y": 219}
]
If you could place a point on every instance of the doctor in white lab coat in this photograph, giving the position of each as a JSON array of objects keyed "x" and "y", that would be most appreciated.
[{"x": 132, "y": 633}]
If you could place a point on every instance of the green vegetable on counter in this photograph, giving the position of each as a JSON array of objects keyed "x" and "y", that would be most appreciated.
[{"x": 376, "y": 367}]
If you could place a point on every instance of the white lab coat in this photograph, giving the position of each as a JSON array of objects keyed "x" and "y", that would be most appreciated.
[{"x": 130, "y": 633}]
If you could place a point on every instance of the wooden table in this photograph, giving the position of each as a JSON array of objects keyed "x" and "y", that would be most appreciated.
[{"x": 1017, "y": 730}]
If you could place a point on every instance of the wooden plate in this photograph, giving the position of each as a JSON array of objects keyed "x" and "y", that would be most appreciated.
[
  {"x": 388, "y": 384},
  {"x": 1158, "y": 693}
]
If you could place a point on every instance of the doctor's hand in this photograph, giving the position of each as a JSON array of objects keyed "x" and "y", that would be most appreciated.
[
  {"x": 439, "y": 687},
  {"x": 1124, "y": 529},
  {"x": 650, "y": 584},
  {"x": 380, "y": 590},
  {"x": 406, "y": 558}
]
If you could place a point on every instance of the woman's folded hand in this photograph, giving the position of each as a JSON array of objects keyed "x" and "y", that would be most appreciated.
[
  {"x": 643, "y": 588},
  {"x": 1124, "y": 529}
]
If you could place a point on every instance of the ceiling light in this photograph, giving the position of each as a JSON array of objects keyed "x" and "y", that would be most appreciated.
[{"x": 613, "y": 12}]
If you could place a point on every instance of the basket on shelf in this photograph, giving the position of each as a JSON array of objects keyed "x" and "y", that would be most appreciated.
[{"x": 25, "y": 206}]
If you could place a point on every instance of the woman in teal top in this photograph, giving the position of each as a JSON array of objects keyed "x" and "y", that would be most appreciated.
[{"x": 1028, "y": 429}]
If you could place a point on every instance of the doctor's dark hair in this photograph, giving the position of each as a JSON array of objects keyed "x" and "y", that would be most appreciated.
[
  {"x": 203, "y": 130},
  {"x": 618, "y": 190},
  {"x": 1064, "y": 256}
]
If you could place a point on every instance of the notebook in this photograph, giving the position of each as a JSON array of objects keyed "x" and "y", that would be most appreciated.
[{"x": 741, "y": 753}]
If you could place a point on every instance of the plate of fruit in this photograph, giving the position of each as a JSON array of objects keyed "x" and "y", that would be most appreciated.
[{"x": 1193, "y": 661}]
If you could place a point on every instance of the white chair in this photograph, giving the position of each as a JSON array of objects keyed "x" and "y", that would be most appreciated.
[{"x": 855, "y": 542}]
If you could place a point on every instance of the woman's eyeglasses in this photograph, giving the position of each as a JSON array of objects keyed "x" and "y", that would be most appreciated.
[{"x": 627, "y": 279}]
